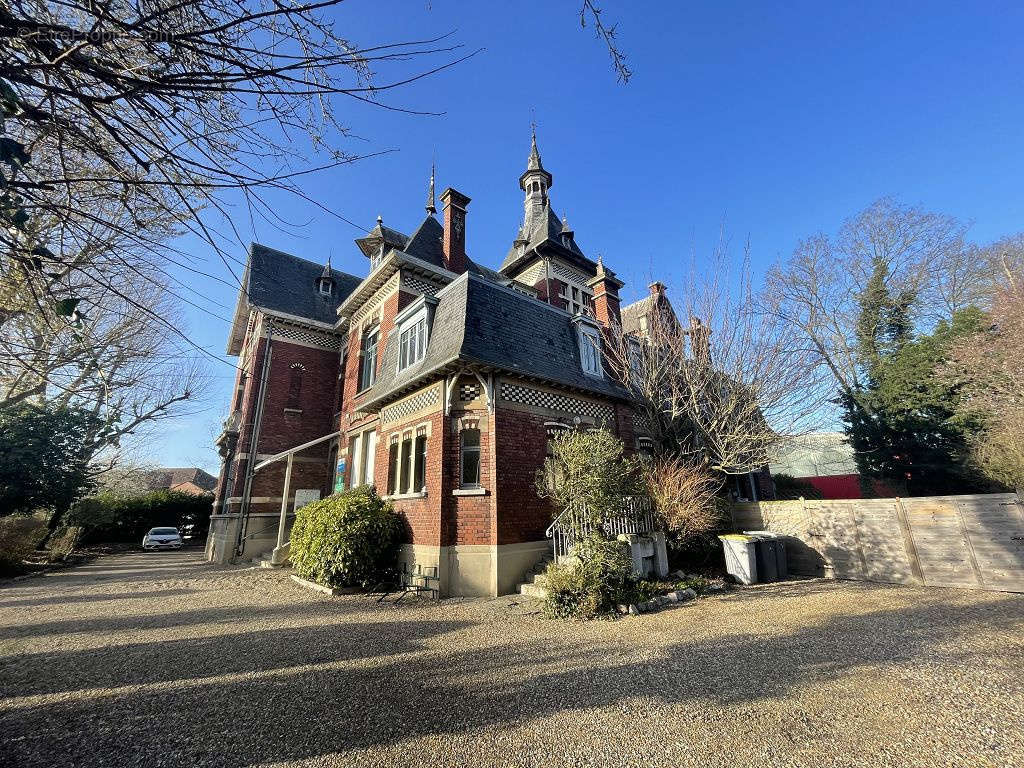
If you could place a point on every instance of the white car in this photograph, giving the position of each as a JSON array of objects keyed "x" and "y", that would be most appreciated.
[{"x": 162, "y": 538}]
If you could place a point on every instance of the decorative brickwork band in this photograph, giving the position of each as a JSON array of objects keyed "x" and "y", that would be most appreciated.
[
  {"x": 305, "y": 336},
  {"x": 409, "y": 406},
  {"x": 415, "y": 284},
  {"x": 516, "y": 393}
]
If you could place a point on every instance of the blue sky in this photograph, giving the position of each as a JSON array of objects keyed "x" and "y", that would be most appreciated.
[{"x": 778, "y": 120}]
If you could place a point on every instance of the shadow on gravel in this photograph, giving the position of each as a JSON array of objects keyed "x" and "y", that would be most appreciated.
[
  {"x": 37, "y": 602},
  {"x": 303, "y": 714},
  {"x": 220, "y": 615},
  {"x": 200, "y": 657}
]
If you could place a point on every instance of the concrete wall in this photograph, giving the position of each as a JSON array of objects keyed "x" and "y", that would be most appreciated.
[{"x": 950, "y": 541}]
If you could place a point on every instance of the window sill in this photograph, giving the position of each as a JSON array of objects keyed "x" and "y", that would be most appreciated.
[
  {"x": 469, "y": 492},
  {"x": 293, "y": 410},
  {"x": 400, "y": 496}
]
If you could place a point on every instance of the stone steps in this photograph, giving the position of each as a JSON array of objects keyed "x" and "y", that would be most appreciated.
[{"x": 535, "y": 581}]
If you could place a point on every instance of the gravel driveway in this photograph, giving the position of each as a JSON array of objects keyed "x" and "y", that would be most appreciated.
[{"x": 163, "y": 659}]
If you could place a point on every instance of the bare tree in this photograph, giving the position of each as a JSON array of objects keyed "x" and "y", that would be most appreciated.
[
  {"x": 112, "y": 108},
  {"x": 609, "y": 35},
  {"x": 919, "y": 256},
  {"x": 108, "y": 352},
  {"x": 734, "y": 385}
]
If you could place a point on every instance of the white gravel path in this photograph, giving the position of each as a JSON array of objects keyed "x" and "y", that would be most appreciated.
[{"x": 149, "y": 660}]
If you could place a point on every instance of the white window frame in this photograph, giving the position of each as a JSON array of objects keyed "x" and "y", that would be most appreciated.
[
  {"x": 326, "y": 288},
  {"x": 363, "y": 446},
  {"x": 590, "y": 351},
  {"x": 413, "y": 337},
  {"x": 408, "y": 322}
]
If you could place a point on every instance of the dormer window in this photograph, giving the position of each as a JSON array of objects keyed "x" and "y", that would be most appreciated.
[
  {"x": 413, "y": 328},
  {"x": 326, "y": 286},
  {"x": 413, "y": 342},
  {"x": 589, "y": 337}
]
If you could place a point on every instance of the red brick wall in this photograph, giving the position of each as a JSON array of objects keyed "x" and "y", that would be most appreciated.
[
  {"x": 520, "y": 447},
  {"x": 469, "y": 519},
  {"x": 279, "y": 430},
  {"x": 422, "y": 516},
  {"x": 387, "y": 313}
]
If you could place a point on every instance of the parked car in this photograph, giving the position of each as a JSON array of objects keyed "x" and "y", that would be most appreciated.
[{"x": 162, "y": 538}]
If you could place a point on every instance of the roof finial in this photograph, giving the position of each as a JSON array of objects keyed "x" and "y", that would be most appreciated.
[
  {"x": 380, "y": 219},
  {"x": 327, "y": 269},
  {"x": 533, "y": 163},
  {"x": 431, "y": 208}
]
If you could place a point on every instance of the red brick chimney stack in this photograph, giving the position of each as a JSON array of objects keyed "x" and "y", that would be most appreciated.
[
  {"x": 606, "y": 296},
  {"x": 454, "y": 245}
]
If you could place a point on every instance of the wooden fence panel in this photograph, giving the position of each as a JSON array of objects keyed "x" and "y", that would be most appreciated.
[{"x": 954, "y": 541}]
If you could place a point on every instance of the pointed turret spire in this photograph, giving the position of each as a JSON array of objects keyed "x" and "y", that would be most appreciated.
[
  {"x": 327, "y": 270},
  {"x": 431, "y": 208},
  {"x": 534, "y": 163},
  {"x": 535, "y": 170}
]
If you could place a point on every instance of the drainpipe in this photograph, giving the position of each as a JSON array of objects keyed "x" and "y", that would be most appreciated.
[{"x": 253, "y": 443}]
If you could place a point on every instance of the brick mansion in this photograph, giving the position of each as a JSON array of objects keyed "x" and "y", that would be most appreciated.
[{"x": 435, "y": 378}]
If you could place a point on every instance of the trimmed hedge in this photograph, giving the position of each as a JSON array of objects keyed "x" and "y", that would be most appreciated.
[
  {"x": 346, "y": 540},
  {"x": 111, "y": 516}
]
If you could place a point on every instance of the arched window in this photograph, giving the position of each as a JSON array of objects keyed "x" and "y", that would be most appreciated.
[
  {"x": 295, "y": 385},
  {"x": 553, "y": 472}
]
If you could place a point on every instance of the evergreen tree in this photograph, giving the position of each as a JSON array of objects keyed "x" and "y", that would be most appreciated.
[{"x": 904, "y": 425}]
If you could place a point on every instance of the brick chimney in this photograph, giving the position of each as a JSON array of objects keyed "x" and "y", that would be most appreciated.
[
  {"x": 606, "y": 296},
  {"x": 454, "y": 245},
  {"x": 657, "y": 290}
]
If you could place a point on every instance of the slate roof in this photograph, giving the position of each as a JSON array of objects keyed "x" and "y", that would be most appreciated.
[
  {"x": 280, "y": 282},
  {"x": 645, "y": 307},
  {"x": 169, "y": 477},
  {"x": 479, "y": 322},
  {"x": 426, "y": 242},
  {"x": 631, "y": 313},
  {"x": 546, "y": 229}
]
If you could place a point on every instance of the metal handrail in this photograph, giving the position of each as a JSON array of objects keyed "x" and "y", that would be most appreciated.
[{"x": 574, "y": 523}]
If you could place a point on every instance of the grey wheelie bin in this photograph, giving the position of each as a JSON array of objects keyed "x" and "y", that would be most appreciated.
[
  {"x": 770, "y": 555},
  {"x": 740, "y": 557}
]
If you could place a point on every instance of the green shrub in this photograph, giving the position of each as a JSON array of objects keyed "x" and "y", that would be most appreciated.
[
  {"x": 592, "y": 585},
  {"x": 111, "y": 516},
  {"x": 64, "y": 542},
  {"x": 19, "y": 536},
  {"x": 348, "y": 539}
]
